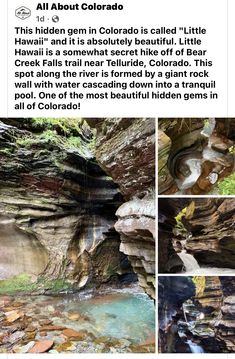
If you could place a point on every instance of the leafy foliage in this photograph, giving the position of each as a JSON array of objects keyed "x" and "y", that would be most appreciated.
[
  {"x": 227, "y": 185},
  {"x": 178, "y": 218},
  {"x": 63, "y": 132},
  {"x": 206, "y": 123}
]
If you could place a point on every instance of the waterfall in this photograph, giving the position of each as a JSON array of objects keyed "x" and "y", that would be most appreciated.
[
  {"x": 184, "y": 312},
  {"x": 194, "y": 165},
  {"x": 189, "y": 261},
  {"x": 195, "y": 348}
]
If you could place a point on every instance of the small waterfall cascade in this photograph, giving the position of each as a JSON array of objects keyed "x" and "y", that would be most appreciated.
[
  {"x": 194, "y": 165},
  {"x": 189, "y": 261},
  {"x": 208, "y": 152},
  {"x": 195, "y": 348}
]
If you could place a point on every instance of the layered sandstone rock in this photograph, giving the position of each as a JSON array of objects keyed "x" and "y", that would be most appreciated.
[
  {"x": 209, "y": 237},
  {"x": 56, "y": 207},
  {"x": 210, "y": 303},
  {"x": 125, "y": 149},
  {"x": 212, "y": 228}
]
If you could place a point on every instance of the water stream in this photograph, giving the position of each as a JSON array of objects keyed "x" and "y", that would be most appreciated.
[
  {"x": 191, "y": 266},
  {"x": 195, "y": 348},
  {"x": 194, "y": 164},
  {"x": 190, "y": 263}
]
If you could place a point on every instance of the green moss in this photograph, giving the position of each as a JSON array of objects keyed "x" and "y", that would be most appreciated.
[
  {"x": 64, "y": 126},
  {"x": 23, "y": 283},
  {"x": 25, "y": 142},
  {"x": 19, "y": 283},
  {"x": 54, "y": 286},
  {"x": 64, "y": 133},
  {"x": 227, "y": 185}
]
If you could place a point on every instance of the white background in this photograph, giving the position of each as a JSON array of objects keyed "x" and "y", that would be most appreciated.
[{"x": 211, "y": 14}]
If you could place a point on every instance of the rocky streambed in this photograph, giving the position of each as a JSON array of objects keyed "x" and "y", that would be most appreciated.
[
  {"x": 110, "y": 321},
  {"x": 196, "y": 156}
]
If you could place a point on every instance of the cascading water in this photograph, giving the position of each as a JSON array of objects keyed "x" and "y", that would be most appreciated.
[
  {"x": 195, "y": 164},
  {"x": 190, "y": 263},
  {"x": 195, "y": 348}
]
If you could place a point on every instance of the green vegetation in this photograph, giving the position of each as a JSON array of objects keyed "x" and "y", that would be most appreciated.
[
  {"x": 23, "y": 283},
  {"x": 19, "y": 283},
  {"x": 179, "y": 224},
  {"x": 206, "y": 123},
  {"x": 186, "y": 212},
  {"x": 54, "y": 286},
  {"x": 227, "y": 185},
  {"x": 67, "y": 133},
  {"x": 232, "y": 149},
  {"x": 179, "y": 217},
  {"x": 64, "y": 126}
]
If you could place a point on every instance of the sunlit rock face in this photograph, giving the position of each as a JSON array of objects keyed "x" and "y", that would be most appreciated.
[
  {"x": 20, "y": 252},
  {"x": 125, "y": 149},
  {"x": 60, "y": 206},
  {"x": 168, "y": 208}
]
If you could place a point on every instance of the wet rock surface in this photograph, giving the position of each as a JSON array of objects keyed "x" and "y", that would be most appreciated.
[
  {"x": 194, "y": 154},
  {"x": 208, "y": 233},
  {"x": 205, "y": 321},
  {"x": 125, "y": 149},
  {"x": 57, "y": 209}
]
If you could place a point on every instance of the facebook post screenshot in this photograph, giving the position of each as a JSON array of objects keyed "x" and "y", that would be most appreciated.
[{"x": 117, "y": 178}]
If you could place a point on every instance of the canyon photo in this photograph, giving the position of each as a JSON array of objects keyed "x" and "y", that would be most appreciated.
[
  {"x": 196, "y": 235},
  {"x": 77, "y": 229},
  {"x": 196, "y": 314},
  {"x": 196, "y": 156}
]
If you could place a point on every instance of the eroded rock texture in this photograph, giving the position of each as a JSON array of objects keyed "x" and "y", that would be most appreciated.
[
  {"x": 125, "y": 149},
  {"x": 56, "y": 207},
  {"x": 210, "y": 229},
  {"x": 194, "y": 154},
  {"x": 172, "y": 293},
  {"x": 210, "y": 307}
]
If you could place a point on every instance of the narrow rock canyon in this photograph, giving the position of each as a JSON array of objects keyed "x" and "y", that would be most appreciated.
[
  {"x": 196, "y": 235},
  {"x": 196, "y": 314}
]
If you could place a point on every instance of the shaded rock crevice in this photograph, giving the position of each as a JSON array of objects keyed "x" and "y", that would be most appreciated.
[{"x": 125, "y": 149}]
